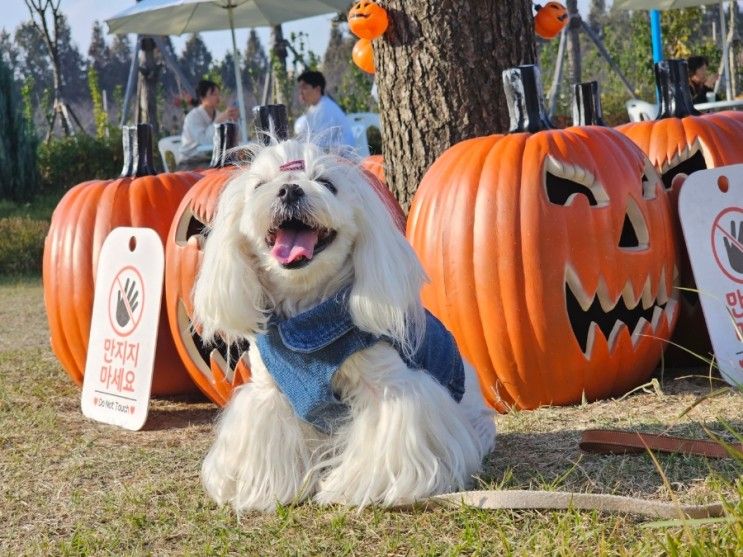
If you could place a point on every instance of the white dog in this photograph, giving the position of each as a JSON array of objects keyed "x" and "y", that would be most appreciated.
[{"x": 302, "y": 257}]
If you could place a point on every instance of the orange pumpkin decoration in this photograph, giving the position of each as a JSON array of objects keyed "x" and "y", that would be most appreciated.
[
  {"x": 682, "y": 140},
  {"x": 367, "y": 19},
  {"x": 80, "y": 224},
  {"x": 363, "y": 56},
  {"x": 217, "y": 371},
  {"x": 375, "y": 165},
  {"x": 550, "y": 19},
  {"x": 551, "y": 256}
]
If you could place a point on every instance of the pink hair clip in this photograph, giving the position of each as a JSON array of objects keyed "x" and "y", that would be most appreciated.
[{"x": 292, "y": 165}]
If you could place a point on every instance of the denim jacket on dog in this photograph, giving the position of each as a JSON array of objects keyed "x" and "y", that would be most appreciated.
[{"x": 303, "y": 353}]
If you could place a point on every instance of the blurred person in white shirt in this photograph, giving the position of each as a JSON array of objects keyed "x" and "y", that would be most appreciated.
[
  {"x": 324, "y": 121},
  {"x": 198, "y": 126}
]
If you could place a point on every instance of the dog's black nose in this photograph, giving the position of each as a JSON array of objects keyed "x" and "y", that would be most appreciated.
[{"x": 289, "y": 193}]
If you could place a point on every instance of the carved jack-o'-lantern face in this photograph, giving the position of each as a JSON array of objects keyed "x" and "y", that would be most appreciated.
[
  {"x": 684, "y": 141},
  {"x": 216, "y": 370},
  {"x": 550, "y": 19},
  {"x": 367, "y": 19},
  {"x": 551, "y": 257}
]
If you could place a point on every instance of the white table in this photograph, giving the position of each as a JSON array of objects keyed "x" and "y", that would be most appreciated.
[{"x": 719, "y": 105}]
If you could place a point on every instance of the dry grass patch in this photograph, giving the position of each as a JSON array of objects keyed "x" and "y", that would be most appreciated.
[{"x": 74, "y": 487}]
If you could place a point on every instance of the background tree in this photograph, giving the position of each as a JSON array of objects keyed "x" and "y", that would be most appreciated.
[
  {"x": 346, "y": 83},
  {"x": 19, "y": 179},
  {"x": 48, "y": 20},
  {"x": 255, "y": 66},
  {"x": 195, "y": 60},
  {"x": 439, "y": 77},
  {"x": 597, "y": 17},
  {"x": 99, "y": 53},
  {"x": 9, "y": 53}
]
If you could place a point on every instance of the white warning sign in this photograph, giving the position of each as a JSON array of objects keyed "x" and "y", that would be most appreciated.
[
  {"x": 711, "y": 213},
  {"x": 123, "y": 332}
]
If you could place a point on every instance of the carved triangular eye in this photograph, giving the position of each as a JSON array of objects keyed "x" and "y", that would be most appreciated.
[
  {"x": 562, "y": 191},
  {"x": 564, "y": 182}
]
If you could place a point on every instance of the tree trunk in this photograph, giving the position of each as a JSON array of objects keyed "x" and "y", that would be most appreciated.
[
  {"x": 149, "y": 76},
  {"x": 574, "y": 57},
  {"x": 439, "y": 78}
]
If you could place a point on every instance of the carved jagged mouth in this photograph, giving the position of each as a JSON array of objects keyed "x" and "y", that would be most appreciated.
[
  {"x": 228, "y": 359},
  {"x": 640, "y": 312},
  {"x": 360, "y": 16},
  {"x": 686, "y": 161}
]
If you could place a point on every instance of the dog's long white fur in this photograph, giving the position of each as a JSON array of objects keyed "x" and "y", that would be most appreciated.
[{"x": 406, "y": 438}]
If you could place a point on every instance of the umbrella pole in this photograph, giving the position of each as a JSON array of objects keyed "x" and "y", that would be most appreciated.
[
  {"x": 725, "y": 58},
  {"x": 238, "y": 77},
  {"x": 130, "y": 82}
]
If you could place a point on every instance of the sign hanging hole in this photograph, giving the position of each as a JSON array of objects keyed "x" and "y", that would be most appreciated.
[
  {"x": 723, "y": 183},
  {"x": 132, "y": 243}
]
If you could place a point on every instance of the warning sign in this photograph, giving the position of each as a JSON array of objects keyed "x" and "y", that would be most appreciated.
[
  {"x": 727, "y": 242},
  {"x": 711, "y": 213},
  {"x": 125, "y": 301},
  {"x": 123, "y": 333}
]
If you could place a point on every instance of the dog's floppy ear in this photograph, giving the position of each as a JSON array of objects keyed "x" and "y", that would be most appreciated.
[
  {"x": 228, "y": 297},
  {"x": 385, "y": 299}
]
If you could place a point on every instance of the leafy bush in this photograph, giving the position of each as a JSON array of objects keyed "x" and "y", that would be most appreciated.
[
  {"x": 70, "y": 160},
  {"x": 19, "y": 179},
  {"x": 21, "y": 245}
]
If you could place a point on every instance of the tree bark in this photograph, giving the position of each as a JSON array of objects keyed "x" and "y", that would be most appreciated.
[
  {"x": 439, "y": 78},
  {"x": 574, "y": 55},
  {"x": 149, "y": 76}
]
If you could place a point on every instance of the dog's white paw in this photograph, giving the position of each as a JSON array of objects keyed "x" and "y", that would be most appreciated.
[
  {"x": 261, "y": 455},
  {"x": 407, "y": 440}
]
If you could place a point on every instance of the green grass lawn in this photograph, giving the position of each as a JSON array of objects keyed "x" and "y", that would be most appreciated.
[{"x": 70, "y": 486}]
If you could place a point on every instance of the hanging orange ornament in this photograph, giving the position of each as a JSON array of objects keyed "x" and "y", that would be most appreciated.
[
  {"x": 367, "y": 19},
  {"x": 363, "y": 56},
  {"x": 550, "y": 19}
]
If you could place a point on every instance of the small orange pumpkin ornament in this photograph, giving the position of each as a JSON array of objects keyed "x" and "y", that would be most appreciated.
[
  {"x": 550, "y": 253},
  {"x": 367, "y": 19},
  {"x": 550, "y": 19},
  {"x": 363, "y": 55},
  {"x": 80, "y": 224},
  {"x": 681, "y": 140}
]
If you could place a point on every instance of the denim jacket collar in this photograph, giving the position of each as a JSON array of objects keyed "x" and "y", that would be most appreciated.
[{"x": 319, "y": 326}]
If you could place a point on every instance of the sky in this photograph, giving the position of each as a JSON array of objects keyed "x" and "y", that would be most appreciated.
[{"x": 82, "y": 13}]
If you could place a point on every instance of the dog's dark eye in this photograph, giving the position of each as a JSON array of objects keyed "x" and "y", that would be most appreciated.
[
  {"x": 328, "y": 184},
  {"x": 259, "y": 184}
]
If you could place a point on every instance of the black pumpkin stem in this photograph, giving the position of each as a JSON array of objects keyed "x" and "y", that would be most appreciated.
[
  {"x": 137, "y": 141},
  {"x": 672, "y": 78},
  {"x": 523, "y": 88},
  {"x": 587, "y": 105},
  {"x": 225, "y": 138},
  {"x": 271, "y": 118}
]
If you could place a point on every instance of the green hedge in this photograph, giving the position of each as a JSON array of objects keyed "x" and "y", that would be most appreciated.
[
  {"x": 21, "y": 245},
  {"x": 68, "y": 161}
]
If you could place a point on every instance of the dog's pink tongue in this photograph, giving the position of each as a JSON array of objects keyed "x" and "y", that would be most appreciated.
[{"x": 292, "y": 244}]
